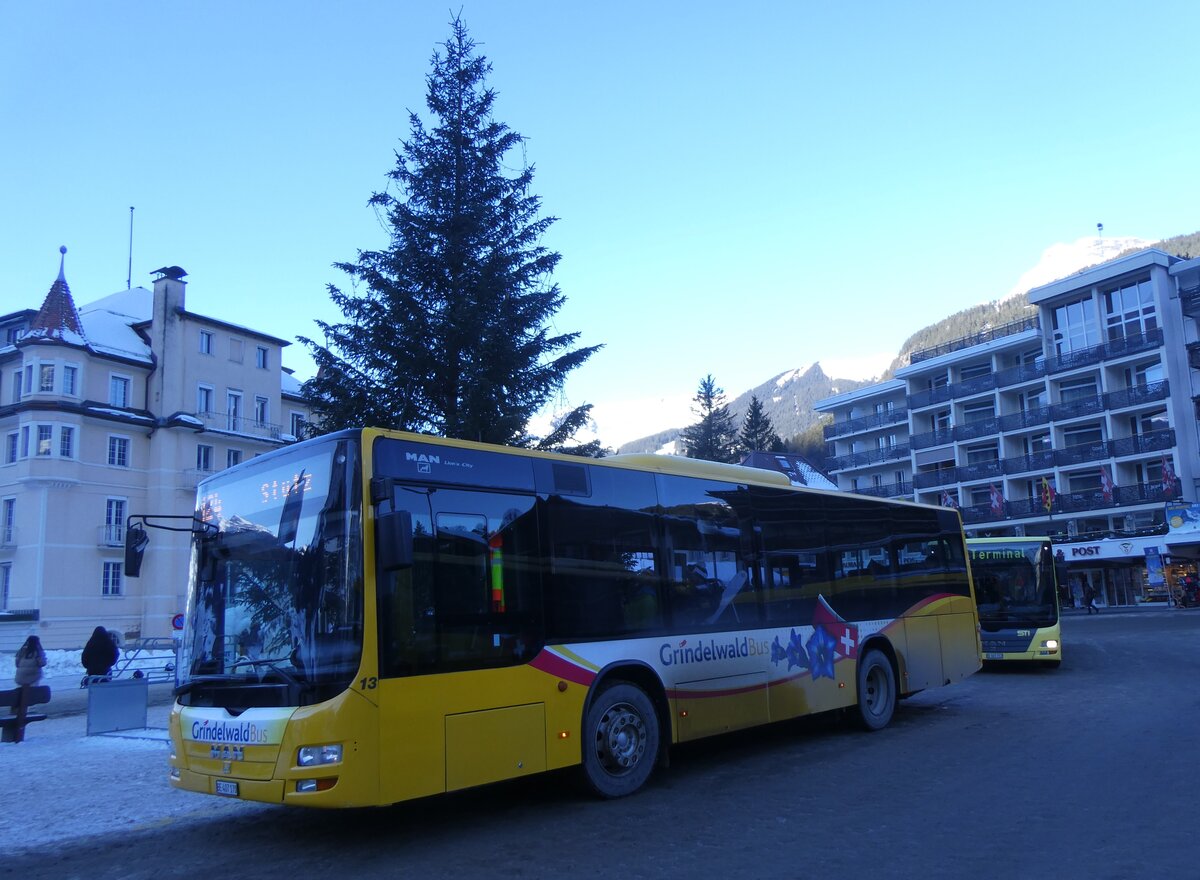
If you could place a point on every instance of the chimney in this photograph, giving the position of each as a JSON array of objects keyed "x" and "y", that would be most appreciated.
[{"x": 168, "y": 290}]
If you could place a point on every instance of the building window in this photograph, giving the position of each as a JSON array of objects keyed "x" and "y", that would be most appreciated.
[
  {"x": 1077, "y": 389},
  {"x": 118, "y": 391},
  {"x": 979, "y": 412},
  {"x": 66, "y": 442},
  {"x": 1081, "y": 435},
  {"x": 5, "y": 584},
  {"x": 10, "y": 448},
  {"x": 260, "y": 357},
  {"x": 27, "y": 385},
  {"x": 111, "y": 583},
  {"x": 114, "y": 521},
  {"x": 1129, "y": 311},
  {"x": 206, "y": 342},
  {"x": 16, "y": 386},
  {"x": 204, "y": 458},
  {"x": 235, "y": 350},
  {"x": 24, "y": 441},
  {"x": 233, "y": 457},
  {"x": 974, "y": 372},
  {"x": 45, "y": 377},
  {"x": 984, "y": 453},
  {"x": 298, "y": 425},
  {"x": 1145, "y": 374},
  {"x": 233, "y": 409},
  {"x": 1148, "y": 423},
  {"x": 8, "y": 523},
  {"x": 261, "y": 411},
  {"x": 118, "y": 451},
  {"x": 45, "y": 439},
  {"x": 1038, "y": 443},
  {"x": 70, "y": 380},
  {"x": 204, "y": 399},
  {"x": 1075, "y": 326}
]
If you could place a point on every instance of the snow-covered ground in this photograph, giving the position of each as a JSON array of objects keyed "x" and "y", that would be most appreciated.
[{"x": 61, "y": 784}]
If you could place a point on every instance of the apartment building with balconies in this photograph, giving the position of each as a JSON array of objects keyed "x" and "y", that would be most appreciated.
[
  {"x": 1079, "y": 421},
  {"x": 115, "y": 408}
]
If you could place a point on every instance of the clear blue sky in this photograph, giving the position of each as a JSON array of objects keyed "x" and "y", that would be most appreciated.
[{"x": 743, "y": 188}]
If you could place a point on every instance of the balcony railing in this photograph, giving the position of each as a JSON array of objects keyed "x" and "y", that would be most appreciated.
[
  {"x": 1138, "y": 395},
  {"x": 110, "y": 535},
  {"x": 1029, "y": 418},
  {"x": 1022, "y": 374},
  {"x": 1114, "y": 348},
  {"x": 1073, "y": 409},
  {"x": 930, "y": 396},
  {"x": 1035, "y": 461},
  {"x": 239, "y": 424},
  {"x": 872, "y": 456},
  {"x": 1081, "y": 452},
  {"x": 888, "y": 490},
  {"x": 1030, "y": 323},
  {"x": 1075, "y": 502},
  {"x": 980, "y": 470},
  {"x": 1151, "y": 441},
  {"x": 865, "y": 423},
  {"x": 974, "y": 385},
  {"x": 978, "y": 428},
  {"x": 940, "y": 437},
  {"x": 191, "y": 477},
  {"x": 930, "y": 479}
]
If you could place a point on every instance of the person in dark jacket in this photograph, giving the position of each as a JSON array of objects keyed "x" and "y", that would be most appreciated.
[{"x": 100, "y": 653}]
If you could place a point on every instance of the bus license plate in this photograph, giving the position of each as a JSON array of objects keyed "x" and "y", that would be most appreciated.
[
  {"x": 224, "y": 786},
  {"x": 989, "y": 656}
]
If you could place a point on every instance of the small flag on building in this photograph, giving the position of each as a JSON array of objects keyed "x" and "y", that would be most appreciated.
[
  {"x": 1168, "y": 477},
  {"x": 1048, "y": 494},
  {"x": 997, "y": 500},
  {"x": 949, "y": 500},
  {"x": 1106, "y": 484}
]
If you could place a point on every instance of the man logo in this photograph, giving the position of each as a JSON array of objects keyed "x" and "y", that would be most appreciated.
[{"x": 421, "y": 457}]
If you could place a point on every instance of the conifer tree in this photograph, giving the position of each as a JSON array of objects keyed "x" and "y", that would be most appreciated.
[
  {"x": 714, "y": 437},
  {"x": 447, "y": 330},
  {"x": 758, "y": 434}
]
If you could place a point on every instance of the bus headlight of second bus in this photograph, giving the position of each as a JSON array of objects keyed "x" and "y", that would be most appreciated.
[
  {"x": 1051, "y": 645},
  {"x": 312, "y": 756}
]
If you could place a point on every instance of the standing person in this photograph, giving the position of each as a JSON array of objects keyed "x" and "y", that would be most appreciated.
[
  {"x": 1089, "y": 597},
  {"x": 29, "y": 661},
  {"x": 100, "y": 653}
]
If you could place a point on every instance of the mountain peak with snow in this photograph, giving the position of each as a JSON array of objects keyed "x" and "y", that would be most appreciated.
[{"x": 1064, "y": 259}]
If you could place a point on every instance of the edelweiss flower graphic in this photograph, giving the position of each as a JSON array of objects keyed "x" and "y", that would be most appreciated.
[{"x": 822, "y": 651}]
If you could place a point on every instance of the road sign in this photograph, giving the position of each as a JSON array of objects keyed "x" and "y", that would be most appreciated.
[{"x": 177, "y": 622}]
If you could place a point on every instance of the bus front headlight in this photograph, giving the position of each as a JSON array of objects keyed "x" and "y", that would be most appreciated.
[
  {"x": 311, "y": 756},
  {"x": 1050, "y": 645}
]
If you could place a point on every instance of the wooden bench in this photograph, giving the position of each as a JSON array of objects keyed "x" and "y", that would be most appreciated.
[{"x": 19, "y": 699}]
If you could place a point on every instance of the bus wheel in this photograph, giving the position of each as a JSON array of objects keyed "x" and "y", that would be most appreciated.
[
  {"x": 620, "y": 741},
  {"x": 876, "y": 691}
]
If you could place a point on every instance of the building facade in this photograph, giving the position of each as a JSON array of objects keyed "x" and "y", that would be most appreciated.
[
  {"x": 116, "y": 408},
  {"x": 1079, "y": 422}
]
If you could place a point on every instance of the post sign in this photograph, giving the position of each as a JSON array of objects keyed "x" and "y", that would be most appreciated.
[{"x": 1154, "y": 568}]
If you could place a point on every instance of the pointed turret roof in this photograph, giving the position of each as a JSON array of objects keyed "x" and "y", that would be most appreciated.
[{"x": 58, "y": 317}]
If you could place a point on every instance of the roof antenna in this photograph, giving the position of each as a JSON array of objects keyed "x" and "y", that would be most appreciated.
[
  {"x": 1099, "y": 236},
  {"x": 129, "y": 276}
]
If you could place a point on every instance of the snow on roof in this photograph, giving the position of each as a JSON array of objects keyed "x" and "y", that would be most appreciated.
[{"x": 799, "y": 471}]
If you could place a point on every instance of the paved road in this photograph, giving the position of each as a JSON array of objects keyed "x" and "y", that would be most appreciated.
[{"x": 1080, "y": 772}]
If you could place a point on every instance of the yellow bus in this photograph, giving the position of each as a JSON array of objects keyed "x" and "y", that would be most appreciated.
[
  {"x": 375, "y": 616},
  {"x": 1017, "y": 592}
]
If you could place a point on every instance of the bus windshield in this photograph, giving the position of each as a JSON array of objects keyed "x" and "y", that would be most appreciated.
[
  {"x": 1014, "y": 583},
  {"x": 275, "y": 613}
]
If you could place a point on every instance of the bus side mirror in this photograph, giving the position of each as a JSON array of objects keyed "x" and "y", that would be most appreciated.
[
  {"x": 136, "y": 540},
  {"x": 393, "y": 540}
]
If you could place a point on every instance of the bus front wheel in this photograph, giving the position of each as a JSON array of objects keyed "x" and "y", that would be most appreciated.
[
  {"x": 620, "y": 742},
  {"x": 876, "y": 691}
]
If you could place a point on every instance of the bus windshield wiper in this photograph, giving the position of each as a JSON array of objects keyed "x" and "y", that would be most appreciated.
[{"x": 272, "y": 663}]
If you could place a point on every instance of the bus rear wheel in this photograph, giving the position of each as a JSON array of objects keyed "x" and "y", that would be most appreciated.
[
  {"x": 876, "y": 691},
  {"x": 620, "y": 742}
]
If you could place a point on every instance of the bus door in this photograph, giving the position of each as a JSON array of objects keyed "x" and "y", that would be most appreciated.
[{"x": 469, "y": 601}]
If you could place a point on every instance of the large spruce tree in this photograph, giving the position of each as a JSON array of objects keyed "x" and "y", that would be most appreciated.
[
  {"x": 447, "y": 330},
  {"x": 714, "y": 437},
  {"x": 758, "y": 434}
]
